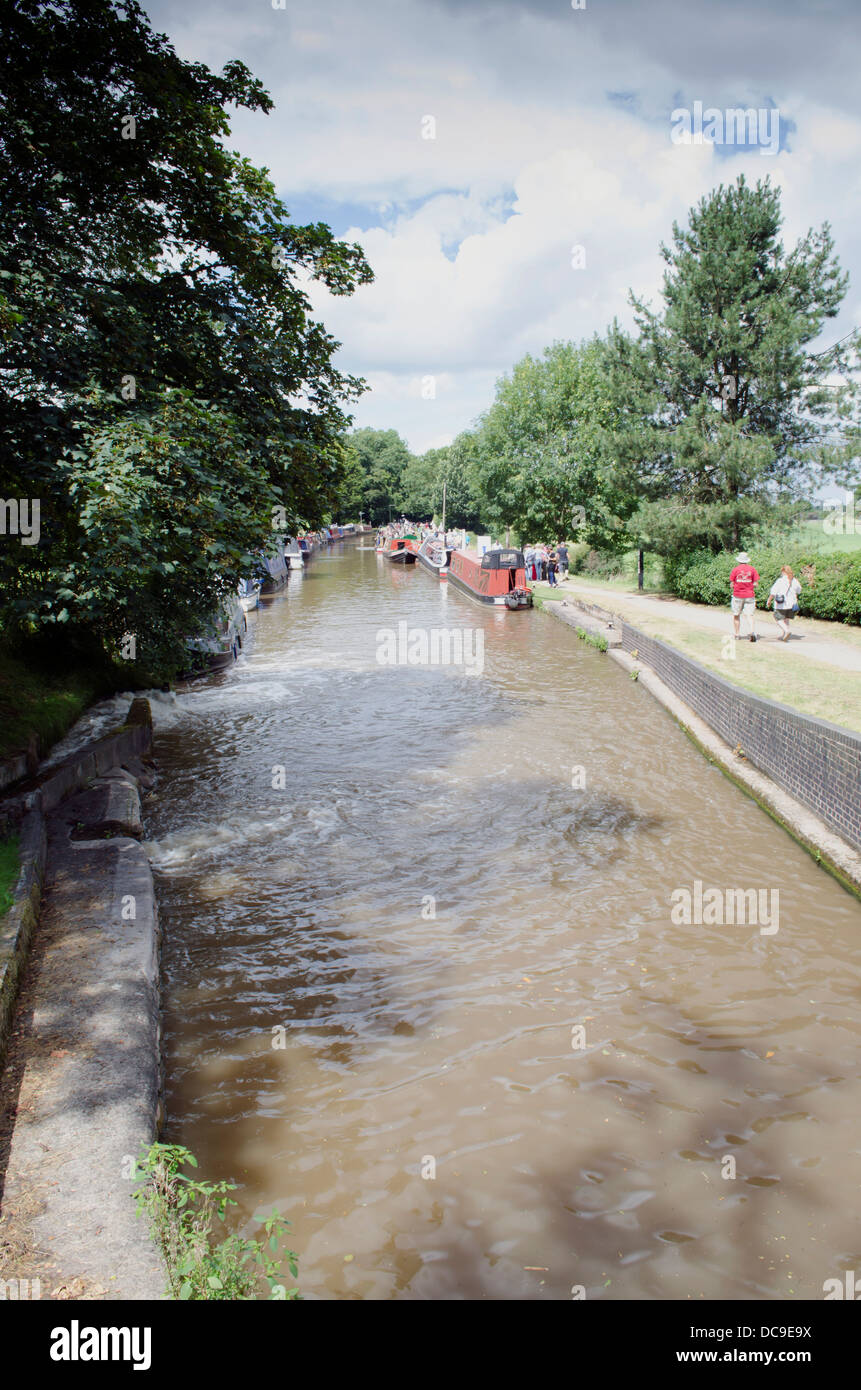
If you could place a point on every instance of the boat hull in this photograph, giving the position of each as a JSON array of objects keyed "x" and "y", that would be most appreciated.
[
  {"x": 492, "y": 600},
  {"x": 441, "y": 571}
]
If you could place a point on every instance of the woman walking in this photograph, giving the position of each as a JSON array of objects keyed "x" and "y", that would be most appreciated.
[{"x": 784, "y": 595}]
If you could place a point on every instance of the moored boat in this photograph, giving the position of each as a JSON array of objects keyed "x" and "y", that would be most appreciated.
[
  {"x": 274, "y": 572},
  {"x": 434, "y": 555},
  {"x": 402, "y": 550},
  {"x": 497, "y": 577},
  {"x": 249, "y": 593},
  {"x": 293, "y": 554},
  {"x": 221, "y": 646}
]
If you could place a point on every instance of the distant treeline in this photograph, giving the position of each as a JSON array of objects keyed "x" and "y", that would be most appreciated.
[{"x": 712, "y": 426}]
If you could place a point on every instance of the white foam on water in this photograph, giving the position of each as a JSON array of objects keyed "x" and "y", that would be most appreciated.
[{"x": 181, "y": 847}]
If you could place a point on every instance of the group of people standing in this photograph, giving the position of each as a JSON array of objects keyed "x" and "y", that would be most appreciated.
[
  {"x": 543, "y": 563},
  {"x": 783, "y": 597}
]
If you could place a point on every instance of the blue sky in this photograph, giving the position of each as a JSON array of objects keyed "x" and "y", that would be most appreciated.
[{"x": 551, "y": 128}]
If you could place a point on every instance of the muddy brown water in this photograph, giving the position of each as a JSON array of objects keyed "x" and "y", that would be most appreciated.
[{"x": 428, "y": 998}]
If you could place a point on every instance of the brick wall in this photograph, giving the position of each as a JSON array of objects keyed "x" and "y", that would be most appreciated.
[{"x": 817, "y": 762}]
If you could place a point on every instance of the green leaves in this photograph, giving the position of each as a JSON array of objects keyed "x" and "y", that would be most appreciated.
[
  {"x": 136, "y": 286},
  {"x": 720, "y": 416},
  {"x": 181, "y": 1211},
  {"x": 540, "y": 459}
]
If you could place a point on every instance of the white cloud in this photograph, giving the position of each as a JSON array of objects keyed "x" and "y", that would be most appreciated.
[{"x": 474, "y": 229}]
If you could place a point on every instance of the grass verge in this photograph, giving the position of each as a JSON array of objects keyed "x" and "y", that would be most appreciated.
[
  {"x": 767, "y": 669},
  {"x": 36, "y": 703},
  {"x": 9, "y": 867}
]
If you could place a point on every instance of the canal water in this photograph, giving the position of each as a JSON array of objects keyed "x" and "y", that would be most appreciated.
[{"x": 424, "y": 992}]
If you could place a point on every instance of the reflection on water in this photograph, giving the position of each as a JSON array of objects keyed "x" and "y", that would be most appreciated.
[{"x": 425, "y": 911}]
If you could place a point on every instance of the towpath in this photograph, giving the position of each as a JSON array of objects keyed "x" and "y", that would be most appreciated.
[{"x": 811, "y": 639}]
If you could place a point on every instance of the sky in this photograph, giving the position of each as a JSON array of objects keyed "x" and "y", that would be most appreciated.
[{"x": 511, "y": 169}]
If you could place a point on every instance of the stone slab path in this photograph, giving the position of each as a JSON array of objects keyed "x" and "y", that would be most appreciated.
[{"x": 80, "y": 1089}]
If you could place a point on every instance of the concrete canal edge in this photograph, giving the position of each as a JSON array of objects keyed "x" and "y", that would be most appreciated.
[
  {"x": 832, "y": 851},
  {"x": 80, "y": 1025}
]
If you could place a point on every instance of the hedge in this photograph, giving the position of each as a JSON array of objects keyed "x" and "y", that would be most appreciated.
[{"x": 830, "y": 583}]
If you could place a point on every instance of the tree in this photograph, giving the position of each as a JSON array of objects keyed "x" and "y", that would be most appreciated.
[
  {"x": 449, "y": 468},
  {"x": 463, "y": 504},
  {"x": 730, "y": 399},
  {"x": 139, "y": 258},
  {"x": 382, "y": 457},
  {"x": 541, "y": 460},
  {"x": 421, "y": 484}
]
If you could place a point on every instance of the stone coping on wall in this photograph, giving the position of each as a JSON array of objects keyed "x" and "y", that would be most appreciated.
[{"x": 32, "y": 801}]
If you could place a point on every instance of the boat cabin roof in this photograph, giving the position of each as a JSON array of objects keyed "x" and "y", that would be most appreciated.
[{"x": 502, "y": 560}]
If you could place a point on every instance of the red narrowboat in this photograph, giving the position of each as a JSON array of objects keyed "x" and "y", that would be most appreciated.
[
  {"x": 401, "y": 550},
  {"x": 497, "y": 577}
]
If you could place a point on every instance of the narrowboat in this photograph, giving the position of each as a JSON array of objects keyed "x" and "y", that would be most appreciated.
[
  {"x": 497, "y": 577},
  {"x": 249, "y": 593},
  {"x": 221, "y": 646},
  {"x": 293, "y": 554},
  {"x": 401, "y": 550},
  {"x": 274, "y": 573},
  {"x": 434, "y": 555}
]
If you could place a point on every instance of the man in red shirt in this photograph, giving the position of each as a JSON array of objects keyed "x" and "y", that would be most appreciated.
[{"x": 743, "y": 579}]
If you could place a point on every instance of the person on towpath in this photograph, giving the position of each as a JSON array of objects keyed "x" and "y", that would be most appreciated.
[
  {"x": 784, "y": 595},
  {"x": 562, "y": 559},
  {"x": 743, "y": 580}
]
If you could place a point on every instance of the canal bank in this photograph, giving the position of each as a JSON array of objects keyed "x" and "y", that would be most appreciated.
[
  {"x": 424, "y": 990},
  {"x": 792, "y": 765},
  {"x": 81, "y": 1086}
]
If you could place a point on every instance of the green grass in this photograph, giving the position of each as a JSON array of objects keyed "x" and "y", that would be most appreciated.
[
  {"x": 813, "y": 535},
  {"x": 767, "y": 669},
  {"x": 9, "y": 867},
  {"x": 592, "y": 639},
  {"x": 33, "y": 702}
]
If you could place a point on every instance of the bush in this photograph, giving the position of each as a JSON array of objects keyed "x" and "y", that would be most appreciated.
[
  {"x": 597, "y": 563},
  {"x": 830, "y": 582}
]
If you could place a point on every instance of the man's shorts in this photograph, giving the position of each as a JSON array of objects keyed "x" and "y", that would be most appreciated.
[{"x": 743, "y": 605}]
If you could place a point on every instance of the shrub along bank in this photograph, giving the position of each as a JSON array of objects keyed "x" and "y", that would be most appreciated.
[{"x": 831, "y": 583}]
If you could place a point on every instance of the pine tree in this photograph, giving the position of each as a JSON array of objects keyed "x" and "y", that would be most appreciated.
[{"x": 724, "y": 400}]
